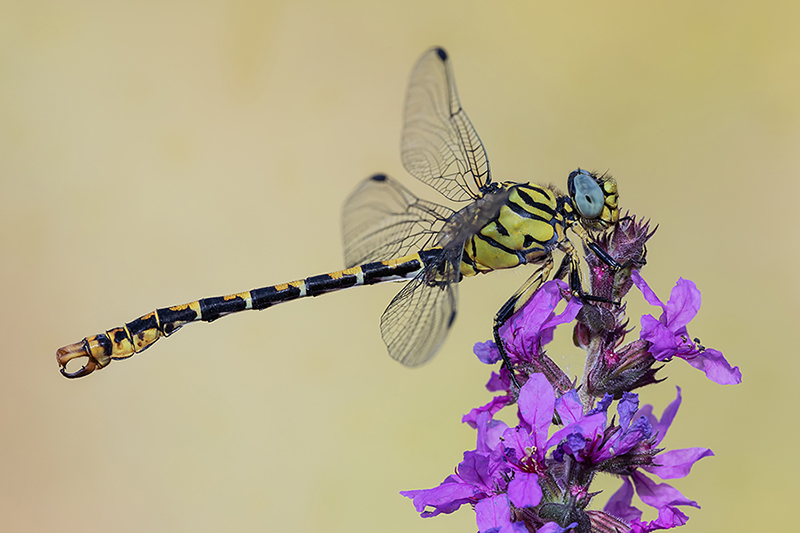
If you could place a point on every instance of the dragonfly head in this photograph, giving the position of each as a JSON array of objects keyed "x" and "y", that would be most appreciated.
[{"x": 594, "y": 197}]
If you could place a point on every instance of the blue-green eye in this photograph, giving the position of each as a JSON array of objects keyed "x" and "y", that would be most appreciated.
[{"x": 587, "y": 194}]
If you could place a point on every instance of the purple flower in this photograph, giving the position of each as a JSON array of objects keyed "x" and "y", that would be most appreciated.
[
  {"x": 534, "y": 325},
  {"x": 669, "y": 465},
  {"x": 668, "y": 337},
  {"x": 504, "y": 468},
  {"x": 527, "y": 331},
  {"x": 505, "y": 475},
  {"x": 477, "y": 477},
  {"x": 620, "y": 506}
]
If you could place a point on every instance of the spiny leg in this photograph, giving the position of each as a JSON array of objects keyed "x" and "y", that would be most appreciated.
[
  {"x": 584, "y": 236},
  {"x": 572, "y": 263},
  {"x": 514, "y": 304}
]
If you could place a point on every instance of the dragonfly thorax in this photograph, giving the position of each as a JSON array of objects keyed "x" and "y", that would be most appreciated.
[{"x": 528, "y": 226}]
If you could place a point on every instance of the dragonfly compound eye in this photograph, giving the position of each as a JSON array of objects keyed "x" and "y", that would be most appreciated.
[{"x": 586, "y": 193}]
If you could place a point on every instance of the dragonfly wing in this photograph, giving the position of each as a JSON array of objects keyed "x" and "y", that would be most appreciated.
[
  {"x": 440, "y": 145},
  {"x": 417, "y": 321},
  {"x": 383, "y": 220}
]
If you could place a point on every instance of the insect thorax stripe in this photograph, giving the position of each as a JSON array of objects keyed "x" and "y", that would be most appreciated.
[
  {"x": 495, "y": 244},
  {"x": 523, "y": 212},
  {"x": 529, "y": 201}
]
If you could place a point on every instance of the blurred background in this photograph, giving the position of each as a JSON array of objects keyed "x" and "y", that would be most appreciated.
[{"x": 152, "y": 153}]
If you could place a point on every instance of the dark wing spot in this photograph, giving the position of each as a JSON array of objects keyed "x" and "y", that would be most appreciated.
[
  {"x": 378, "y": 177},
  {"x": 441, "y": 53}
]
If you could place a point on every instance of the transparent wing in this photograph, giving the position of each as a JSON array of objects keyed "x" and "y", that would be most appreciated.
[
  {"x": 383, "y": 220},
  {"x": 440, "y": 145},
  {"x": 418, "y": 319}
]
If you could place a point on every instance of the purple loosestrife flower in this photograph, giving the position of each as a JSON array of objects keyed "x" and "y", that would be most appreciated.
[
  {"x": 669, "y": 465},
  {"x": 511, "y": 478},
  {"x": 668, "y": 338},
  {"x": 503, "y": 469},
  {"x": 527, "y": 332}
]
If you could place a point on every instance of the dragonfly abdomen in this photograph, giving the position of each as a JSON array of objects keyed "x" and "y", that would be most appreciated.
[{"x": 139, "y": 334}]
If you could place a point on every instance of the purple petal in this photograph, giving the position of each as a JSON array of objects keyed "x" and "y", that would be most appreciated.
[
  {"x": 662, "y": 341},
  {"x": 496, "y": 383},
  {"x": 658, "y": 495},
  {"x": 677, "y": 463},
  {"x": 536, "y": 402},
  {"x": 574, "y": 443},
  {"x": 489, "y": 432},
  {"x": 553, "y": 527},
  {"x": 627, "y": 407},
  {"x": 715, "y": 367},
  {"x": 602, "y": 404},
  {"x": 669, "y": 517},
  {"x": 589, "y": 427},
  {"x": 524, "y": 490},
  {"x": 619, "y": 504},
  {"x": 496, "y": 404},
  {"x": 661, "y": 427},
  {"x": 487, "y": 352},
  {"x": 569, "y": 407},
  {"x": 513, "y": 527},
  {"x": 517, "y": 439},
  {"x": 530, "y": 320},
  {"x": 647, "y": 292},
  {"x": 493, "y": 512},
  {"x": 683, "y": 304},
  {"x": 638, "y": 431},
  {"x": 475, "y": 470},
  {"x": 445, "y": 498},
  {"x": 567, "y": 315}
]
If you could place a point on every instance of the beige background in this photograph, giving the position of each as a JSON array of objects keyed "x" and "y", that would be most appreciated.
[{"x": 155, "y": 153}]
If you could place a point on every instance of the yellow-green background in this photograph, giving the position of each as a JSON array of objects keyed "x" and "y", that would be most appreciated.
[{"x": 152, "y": 153}]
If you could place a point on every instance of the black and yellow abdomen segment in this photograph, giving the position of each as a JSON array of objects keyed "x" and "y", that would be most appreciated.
[
  {"x": 527, "y": 227},
  {"x": 138, "y": 335}
]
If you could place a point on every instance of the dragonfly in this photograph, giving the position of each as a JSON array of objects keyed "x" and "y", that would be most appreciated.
[{"x": 392, "y": 235}]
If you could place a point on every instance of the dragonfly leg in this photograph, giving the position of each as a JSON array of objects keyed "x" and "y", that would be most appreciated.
[
  {"x": 572, "y": 264},
  {"x": 514, "y": 304},
  {"x": 604, "y": 256}
]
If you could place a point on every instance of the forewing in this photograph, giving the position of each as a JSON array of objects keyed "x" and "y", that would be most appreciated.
[
  {"x": 383, "y": 220},
  {"x": 440, "y": 145},
  {"x": 417, "y": 321}
]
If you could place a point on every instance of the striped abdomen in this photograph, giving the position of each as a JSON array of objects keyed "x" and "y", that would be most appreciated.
[{"x": 139, "y": 334}]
